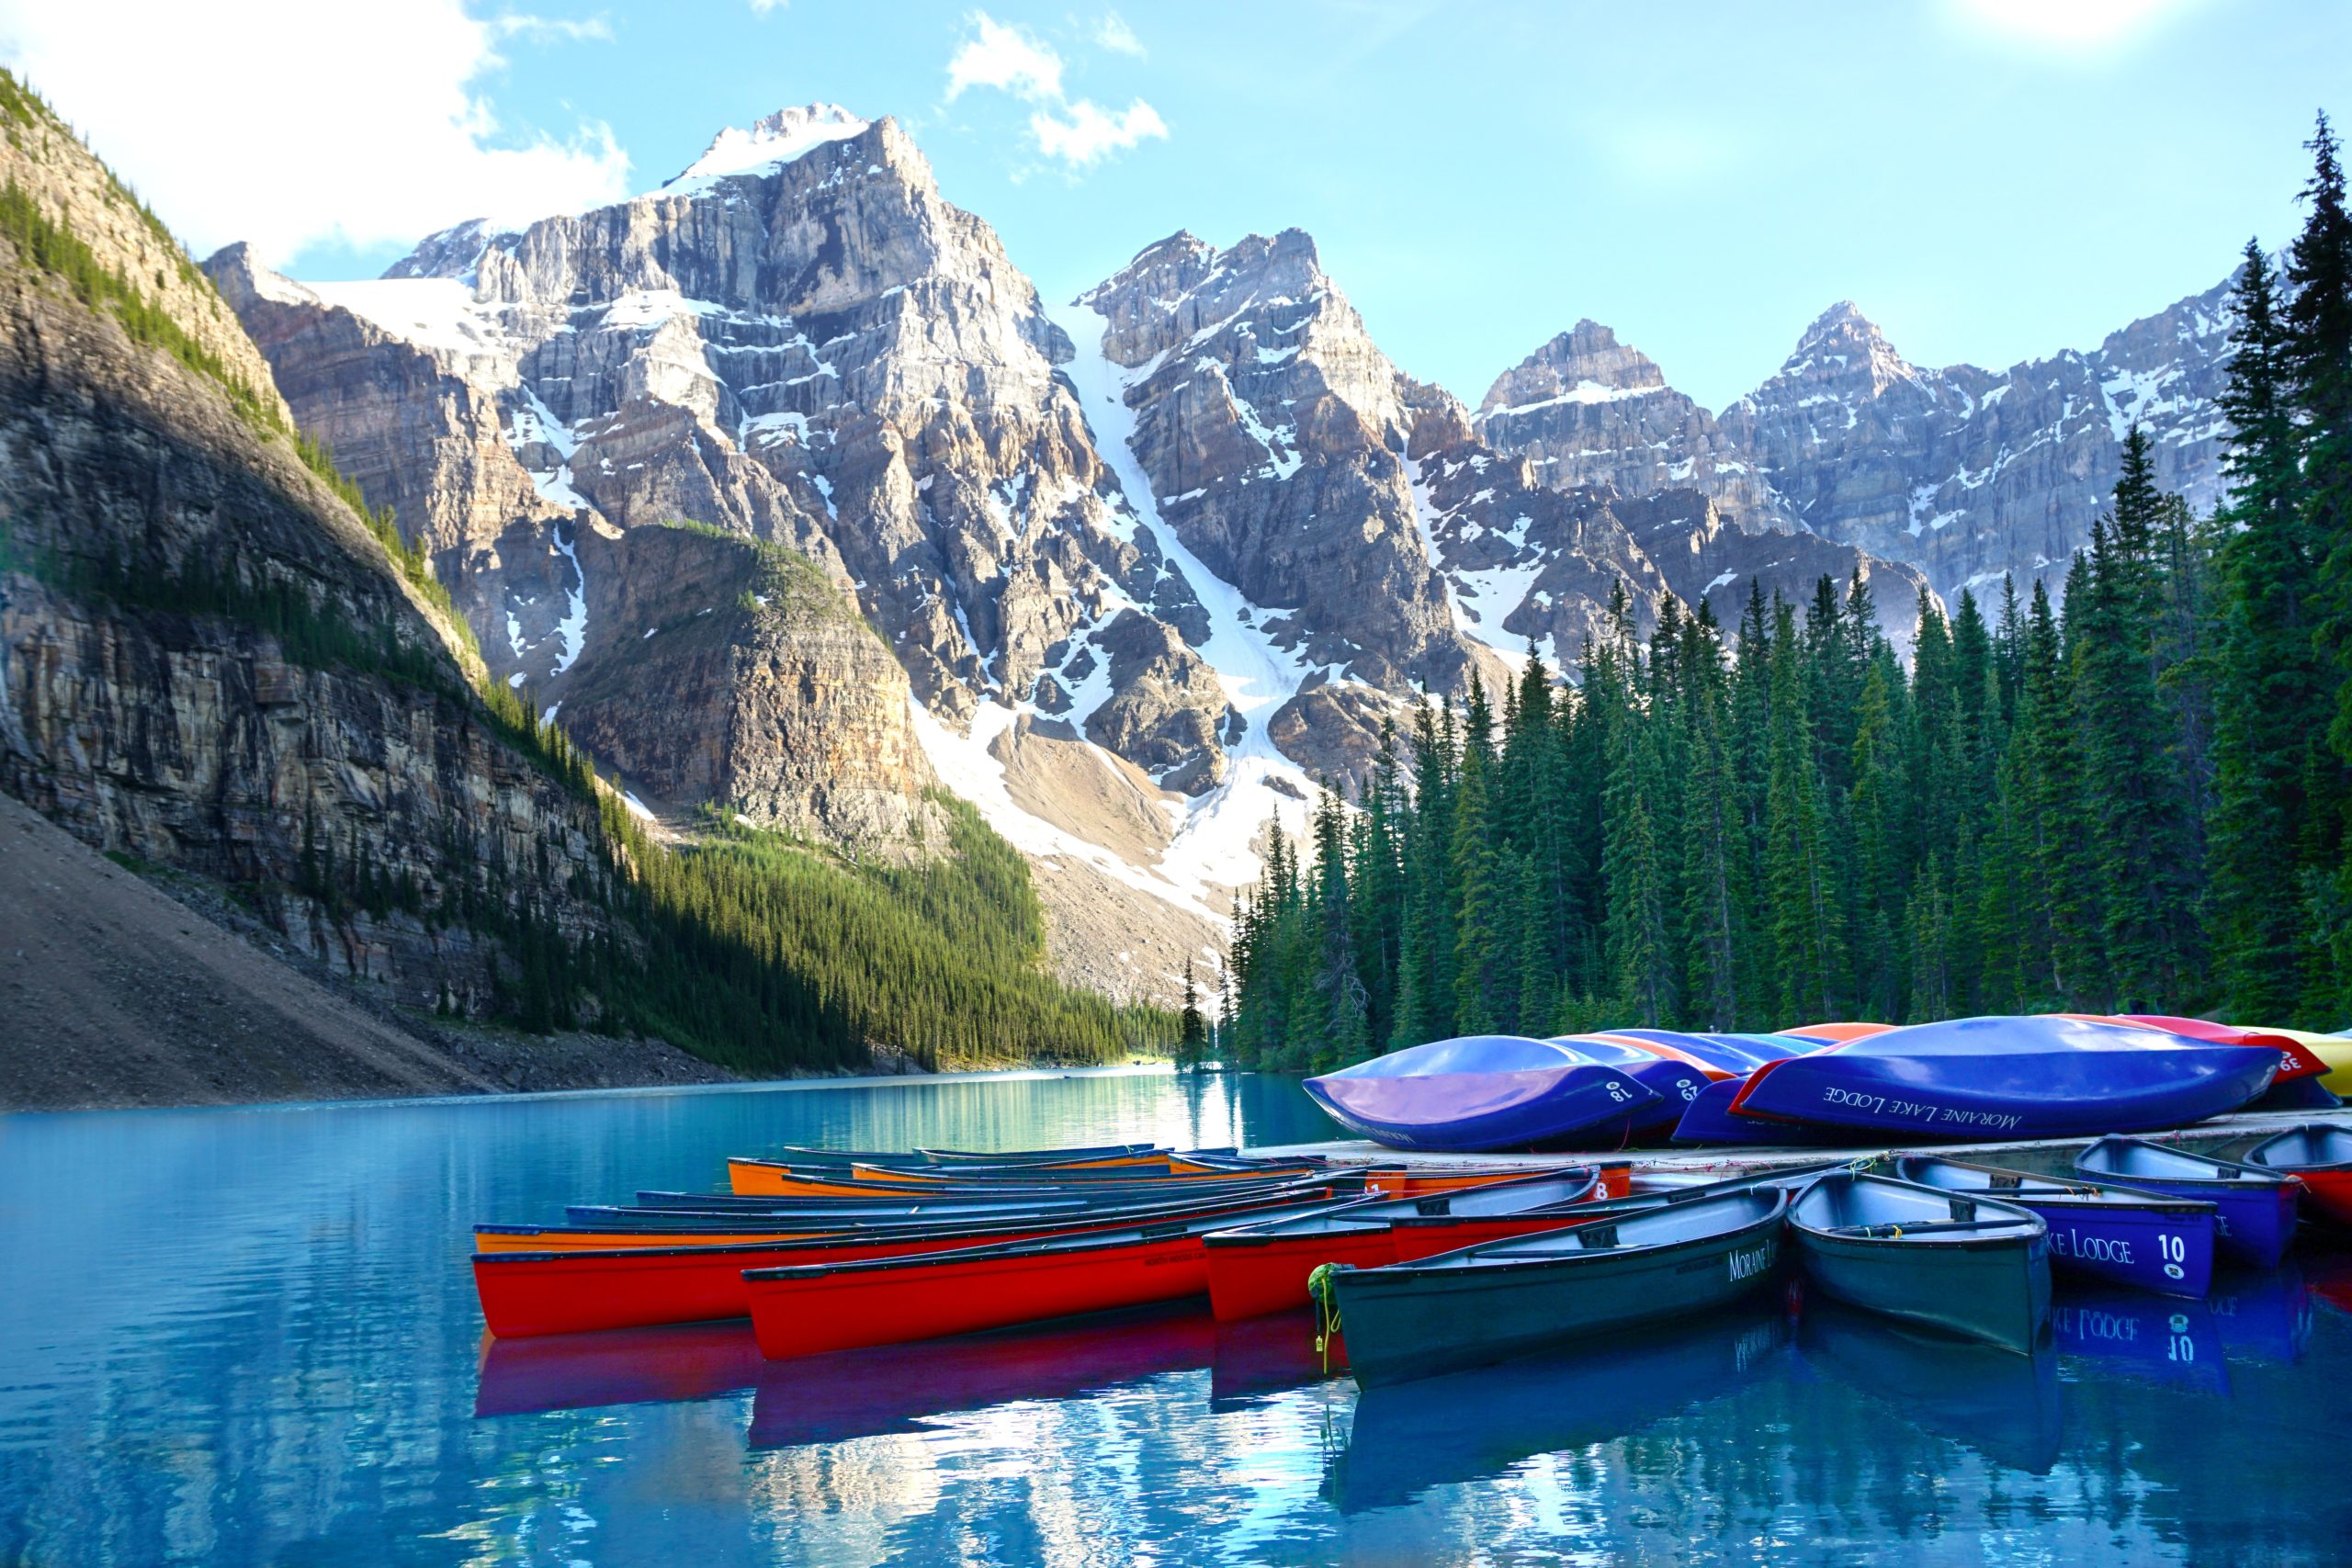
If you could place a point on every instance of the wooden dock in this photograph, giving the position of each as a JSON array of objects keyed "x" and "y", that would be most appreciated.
[{"x": 2225, "y": 1137}]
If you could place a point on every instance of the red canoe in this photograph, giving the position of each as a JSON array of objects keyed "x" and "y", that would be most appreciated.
[
  {"x": 1260, "y": 1268},
  {"x": 525, "y": 1293},
  {"x": 812, "y": 1308},
  {"x": 2320, "y": 1153}
]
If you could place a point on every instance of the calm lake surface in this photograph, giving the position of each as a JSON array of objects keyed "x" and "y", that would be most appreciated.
[{"x": 250, "y": 1337}]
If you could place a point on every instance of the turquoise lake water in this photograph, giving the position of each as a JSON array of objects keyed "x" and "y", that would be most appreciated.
[{"x": 250, "y": 1337}]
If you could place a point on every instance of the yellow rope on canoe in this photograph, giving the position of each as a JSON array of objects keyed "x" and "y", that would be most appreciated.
[{"x": 1327, "y": 1310}]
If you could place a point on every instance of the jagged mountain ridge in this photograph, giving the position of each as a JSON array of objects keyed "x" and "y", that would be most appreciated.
[
  {"x": 1968, "y": 475},
  {"x": 1149, "y": 563}
]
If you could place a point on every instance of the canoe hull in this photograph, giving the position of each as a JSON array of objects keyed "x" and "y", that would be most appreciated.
[
  {"x": 1997, "y": 1291},
  {"x": 2253, "y": 1223},
  {"x": 1956, "y": 1096},
  {"x": 1499, "y": 1111},
  {"x": 1411, "y": 1324},
  {"x": 1251, "y": 1278},
  {"x": 809, "y": 1313},
  {"x": 528, "y": 1293},
  {"x": 2330, "y": 1192},
  {"x": 2167, "y": 1252},
  {"x": 1254, "y": 1278}
]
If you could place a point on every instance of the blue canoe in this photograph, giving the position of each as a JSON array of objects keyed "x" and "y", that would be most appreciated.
[
  {"x": 2009, "y": 1078},
  {"x": 1709, "y": 1120},
  {"x": 2254, "y": 1208},
  {"x": 1483, "y": 1091},
  {"x": 2151, "y": 1240},
  {"x": 1675, "y": 1084}
]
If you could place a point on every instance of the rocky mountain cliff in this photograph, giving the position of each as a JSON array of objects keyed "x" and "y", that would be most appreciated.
[
  {"x": 207, "y": 661},
  {"x": 1968, "y": 475},
  {"x": 1142, "y": 567}
]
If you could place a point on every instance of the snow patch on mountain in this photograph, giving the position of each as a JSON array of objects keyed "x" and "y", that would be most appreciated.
[
  {"x": 779, "y": 139},
  {"x": 430, "y": 312}
]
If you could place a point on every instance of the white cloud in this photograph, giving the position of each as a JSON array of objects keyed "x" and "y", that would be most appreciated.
[
  {"x": 544, "y": 28},
  {"x": 1008, "y": 58},
  {"x": 1092, "y": 132},
  {"x": 1079, "y": 132},
  {"x": 761, "y": 7},
  {"x": 2068, "y": 24},
  {"x": 1113, "y": 34},
  {"x": 360, "y": 123}
]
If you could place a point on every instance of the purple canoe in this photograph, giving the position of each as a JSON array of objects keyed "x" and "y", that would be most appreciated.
[{"x": 1484, "y": 1091}]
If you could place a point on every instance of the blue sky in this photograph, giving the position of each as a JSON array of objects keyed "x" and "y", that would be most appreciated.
[{"x": 1988, "y": 179}]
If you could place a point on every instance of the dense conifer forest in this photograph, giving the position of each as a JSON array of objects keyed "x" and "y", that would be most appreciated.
[{"x": 2125, "y": 789}]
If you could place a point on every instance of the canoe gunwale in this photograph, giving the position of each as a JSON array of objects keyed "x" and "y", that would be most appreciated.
[
  {"x": 1448, "y": 1269},
  {"x": 851, "y": 1238},
  {"x": 1046, "y": 1248}
]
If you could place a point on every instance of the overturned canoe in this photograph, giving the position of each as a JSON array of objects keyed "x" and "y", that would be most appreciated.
[
  {"x": 1674, "y": 1077},
  {"x": 1507, "y": 1298},
  {"x": 2319, "y": 1156},
  {"x": 2297, "y": 1060},
  {"x": 1260, "y": 1268},
  {"x": 1483, "y": 1091},
  {"x": 1834, "y": 1034},
  {"x": 2125, "y": 1236},
  {"x": 2254, "y": 1208},
  {"x": 2020, "y": 1078},
  {"x": 807, "y": 1309},
  {"x": 1965, "y": 1264},
  {"x": 1722, "y": 1056}
]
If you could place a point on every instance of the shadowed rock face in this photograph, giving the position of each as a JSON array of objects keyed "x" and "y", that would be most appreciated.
[
  {"x": 753, "y": 684},
  {"x": 171, "y": 596},
  {"x": 1968, "y": 475}
]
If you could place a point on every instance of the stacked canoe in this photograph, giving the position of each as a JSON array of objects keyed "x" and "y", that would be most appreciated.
[{"x": 1977, "y": 1079}]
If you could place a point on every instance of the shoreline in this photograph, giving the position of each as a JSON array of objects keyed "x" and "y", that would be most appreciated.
[{"x": 462, "y": 1098}]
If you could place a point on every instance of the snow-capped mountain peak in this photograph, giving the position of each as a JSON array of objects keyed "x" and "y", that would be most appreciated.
[{"x": 777, "y": 138}]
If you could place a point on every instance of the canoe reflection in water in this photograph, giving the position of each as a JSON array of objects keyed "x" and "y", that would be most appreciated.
[
  {"x": 2264, "y": 1314},
  {"x": 1410, "y": 1436},
  {"x": 855, "y": 1393},
  {"x": 2005, "y": 1405},
  {"x": 679, "y": 1361},
  {"x": 2167, "y": 1339},
  {"x": 835, "y": 1397}
]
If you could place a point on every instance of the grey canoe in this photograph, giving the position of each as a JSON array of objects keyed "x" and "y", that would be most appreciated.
[
  {"x": 1956, "y": 1261},
  {"x": 1507, "y": 1298}
]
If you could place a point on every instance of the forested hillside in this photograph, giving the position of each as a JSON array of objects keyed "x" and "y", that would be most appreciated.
[{"x": 2134, "y": 802}]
